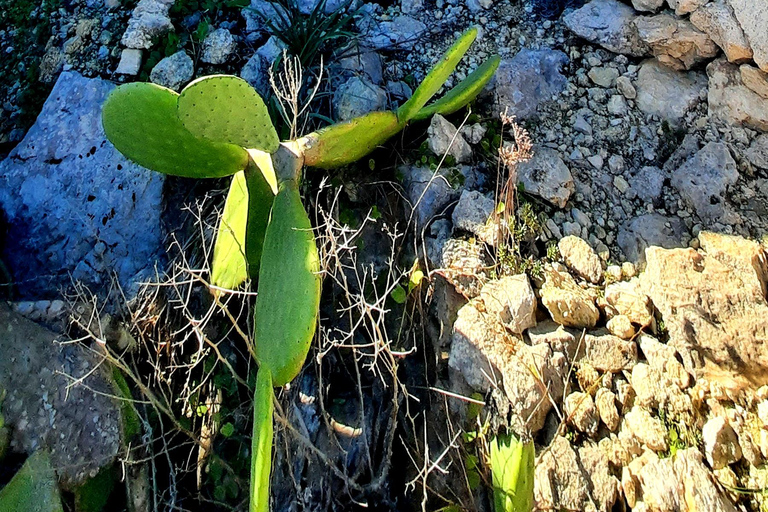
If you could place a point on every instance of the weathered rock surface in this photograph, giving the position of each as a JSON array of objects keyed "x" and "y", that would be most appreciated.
[
  {"x": 757, "y": 153},
  {"x": 512, "y": 300},
  {"x": 721, "y": 445},
  {"x": 173, "y": 72},
  {"x": 445, "y": 139},
  {"x": 608, "y": 353},
  {"x": 76, "y": 208},
  {"x": 473, "y": 214},
  {"x": 755, "y": 79},
  {"x": 546, "y": 175},
  {"x": 218, "y": 46},
  {"x": 568, "y": 303},
  {"x": 46, "y": 405},
  {"x": 430, "y": 192},
  {"x": 581, "y": 412},
  {"x": 703, "y": 181},
  {"x": 487, "y": 355},
  {"x": 605, "y": 401},
  {"x": 608, "y": 23},
  {"x": 581, "y": 258},
  {"x": 649, "y": 230},
  {"x": 753, "y": 18},
  {"x": 683, "y": 7},
  {"x": 463, "y": 265},
  {"x": 647, "y": 5},
  {"x": 667, "y": 93},
  {"x": 646, "y": 428},
  {"x": 401, "y": 32},
  {"x": 675, "y": 42},
  {"x": 356, "y": 97},
  {"x": 627, "y": 299},
  {"x": 528, "y": 80},
  {"x": 713, "y": 304},
  {"x": 559, "y": 338},
  {"x": 718, "y": 20},
  {"x": 731, "y": 100},
  {"x": 148, "y": 21}
]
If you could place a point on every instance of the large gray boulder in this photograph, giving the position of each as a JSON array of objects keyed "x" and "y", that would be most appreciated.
[
  {"x": 649, "y": 230},
  {"x": 731, "y": 100},
  {"x": 529, "y": 79},
  {"x": 608, "y": 23},
  {"x": 667, "y": 93},
  {"x": 76, "y": 208}
]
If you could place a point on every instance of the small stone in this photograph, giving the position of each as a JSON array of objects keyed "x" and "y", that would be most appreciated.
[
  {"x": 568, "y": 304},
  {"x": 720, "y": 443},
  {"x": 174, "y": 71},
  {"x": 609, "y": 353},
  {"x": 596, "y": 161},
  {"x": 130, "y": 62},
  {"x": 755, "y": 79},
  {"x": 445, "y": 139},
  {"x": 581, "y": 258},
  {"x": 546, "y": 175},
  {"x": 604, "y": 77},
  {"x": 621, "y": 326},
  {"x": 625, "y": 87},
  {"x": 647, "y": 429},
  {"x": 358, "y": 96},
  {"x": 582, "y": 413},
  {"x": 512, "y": 299},
  {"x": 472, "y": 214},
  {"x": 218, "y": 46},
  {"x": 605, "y": 401},
  {"x": 621, "y": 184}
]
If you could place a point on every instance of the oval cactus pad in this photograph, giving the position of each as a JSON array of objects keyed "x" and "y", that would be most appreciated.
[
  {"x": 140, "y": 121},
  {"x": 289, "y": 288},
  {"x": 225, "y": 108}
]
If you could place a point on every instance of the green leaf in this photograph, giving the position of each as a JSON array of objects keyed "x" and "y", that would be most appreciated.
[
  {"x": 466, "y": 91},
  {"x": 33, "y": 488},
  {"x": 140, "y": 120},
  {"x": 227, "y": 430},
  {"x": 226, "y": 109},
  {"x": 512, "y": 470},
  {"x": 398, "y": 294},
  {"x": 436, "y": 77}
]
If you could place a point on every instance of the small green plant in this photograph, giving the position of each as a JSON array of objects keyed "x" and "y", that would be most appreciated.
[{"x": 219, "y": 126}]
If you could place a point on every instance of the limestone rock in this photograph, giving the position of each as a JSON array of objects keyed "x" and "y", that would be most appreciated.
[
  {"x": 654, "y": 388},
  {"x": 608, "y": 23},
  {"x": 256, "y": 73},
  {"x": 487, "y": 355},
  {"x": 681, "y": 482},
  {"x": 667, "y": 93},
  {"x": 463, "y": 265},
  {"x": 444, "y": 139},
  {"x": 609, "y": 353},
  {"x": 148, "y": 21},
  {"x": 359, "y": 60},
  {"x": 664, "y": 358},
  {"x": 581, "y": 258},
  {"x": 713, "y": 305},
  {"x": 621, "y": 326},
  {"x": 581, "y": 412},
  {"x": 529, "y": 79},
  {"x": 130, "y": 62},
  {"x": 675, "y": 42},
  {"x": 546, "y": 175},
  {"x": 720, "y": 443},
  {"x": 652, "y": 229},
  {"x": 755, "y": 79},
  {"x": 627, "y": 299},
  {"x": 605, "y": 401},
  {"x": 559, "y": 338},
  {"x": 218, "y": 46},
  {"x": 731, "y": 100},
  {"x": 647, "y": 5},
  {"x": 683, "y": 7},
  {"x": 569, "y": 304},
  {"x": 173, "y": 72},
  {"x": 647, "y": 429},
  {"x": 48, "y": 407},
  {"x": 430, "y": 192},
  {"x": 559, "y": 483},
  {"x": 753, "y": 18},
  {"x": 511, "y": 298},
  {"x": 605, "y": 488},
  {"x": 704, "y": 180},
  {"x": 473, "y": 213},
  {"x": 757, "y": 153},
  {"x": 718, "y": 20},
  {"x": 400, "y": 32},
  {"x": 356, "y": 97},
  {"x": 75, "y": 207}
]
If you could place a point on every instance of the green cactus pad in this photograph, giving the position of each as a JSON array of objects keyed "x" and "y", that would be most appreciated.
[
  {"x": 512, "y": 467},
  {"x": 224, "y": 108},
  {"x": 288, "y": 298},
  {"x": 240, "y": 237},
  {"x": 140, "y": 121},
  {"x": 466, "y": 91},
  {"x": 261, "y": 441},
  {"x": 344, "y": 143},
  {"x": 436, "y": 77}
]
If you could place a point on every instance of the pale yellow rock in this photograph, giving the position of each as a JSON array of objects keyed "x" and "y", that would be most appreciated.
[
  {"x": 569, "y": 304},
  {"x": 755, "y": 79}
]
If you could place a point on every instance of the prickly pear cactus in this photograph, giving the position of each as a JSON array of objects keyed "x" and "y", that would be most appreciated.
[
  {"x": 224, "y": 108},
  {"x": 140, "y": 120}
]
